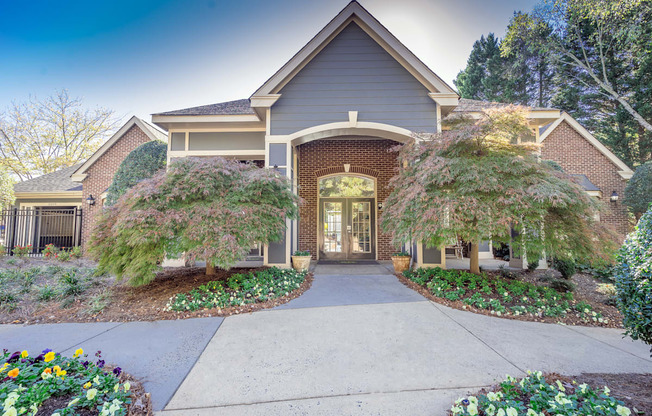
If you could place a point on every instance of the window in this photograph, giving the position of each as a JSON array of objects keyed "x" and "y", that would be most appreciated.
[{"x": 346, "y": 187}]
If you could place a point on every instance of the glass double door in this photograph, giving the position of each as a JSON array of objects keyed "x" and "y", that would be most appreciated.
[{"x": 347, "y": 229}]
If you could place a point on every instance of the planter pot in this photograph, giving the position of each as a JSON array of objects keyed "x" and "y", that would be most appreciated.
[
  {"x": 401, "y": 263},
  {"x": 301, "y": 263}
]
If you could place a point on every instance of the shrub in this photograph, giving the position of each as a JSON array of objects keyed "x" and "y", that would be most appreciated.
[
  {"x": 208, "y": 208},
  {"x": 562, "y": 285},
  {"x": 302, "y": 253},
  {"x": 142, "y": 163},
  {"x": 633, "y": 274},
  {"x": 638, "y": 193},
  {"x": 88, "y": 387},
  {"x": 535, "y": 395},
  {"x": 22, "y": 251},
  {"x": 50, "y": 251},
  {"x": 532, "y": 265},
  {"x": 566, "y": 267}
]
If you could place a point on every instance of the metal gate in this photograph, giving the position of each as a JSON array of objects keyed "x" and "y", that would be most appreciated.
[{"x": 39, "y": 227}]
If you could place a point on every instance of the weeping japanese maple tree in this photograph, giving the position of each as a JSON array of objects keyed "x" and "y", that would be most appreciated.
[
  {"x": 479, "y": 179},
  {"x": 203, "y": 208}
]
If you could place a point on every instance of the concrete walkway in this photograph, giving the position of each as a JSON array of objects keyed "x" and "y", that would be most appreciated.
[
  {"x": 364, "y": 344},
  {"x": 354, "y": 344},
  {"x": 159, "y": 353}
]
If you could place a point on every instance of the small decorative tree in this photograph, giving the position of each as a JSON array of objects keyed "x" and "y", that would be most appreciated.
[
  {"x": 142, "y": 163},
  {"x": 633, "y": 273},
  {"x": 638, "y": 193},
  {"x": 476, "y": 180},
  {"x": 208, "y": 208}
]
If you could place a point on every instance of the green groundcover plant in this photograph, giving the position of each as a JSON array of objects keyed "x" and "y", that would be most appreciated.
[
  {"x": 633, "y": 274},
  {"x": 534, "y": 396},
  {"x": 239, "y": 289},
  {"x": 27, "y": 382},
  {"x": 502, "y": 296}
]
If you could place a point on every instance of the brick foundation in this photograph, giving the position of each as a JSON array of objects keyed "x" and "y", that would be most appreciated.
[
  {"x": 370, "y": 157},
  {"x": 576, "y": 155},
  {"x": 100, "y": 175}
]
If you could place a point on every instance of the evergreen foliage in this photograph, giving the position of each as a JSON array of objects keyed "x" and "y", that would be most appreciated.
[
  {"x": 638, "y": 193},
  {"x": 206, "y": 208},
  {"x": 590, "y": 58},
  {"x": 633, "y": 273},
  {"x": 475, "y": 180},
  {"x": 142, "y": 163}
]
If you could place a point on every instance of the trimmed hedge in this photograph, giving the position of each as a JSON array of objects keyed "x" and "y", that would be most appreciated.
[
  {"x": 633, "y": 274},
  {"x": 142, "y": 163}
]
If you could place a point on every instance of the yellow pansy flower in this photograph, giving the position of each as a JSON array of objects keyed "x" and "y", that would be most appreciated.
[
  {"x": 87, "y": 385},
  {"x": 24, "y": 354},
  {"x": 90, "y": 394},
  {"x": 49, "y": 357},
  {"x": 78, "y": 352}
]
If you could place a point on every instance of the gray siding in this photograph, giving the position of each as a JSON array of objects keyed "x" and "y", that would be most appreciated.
[{"x": 353, "y": 73}]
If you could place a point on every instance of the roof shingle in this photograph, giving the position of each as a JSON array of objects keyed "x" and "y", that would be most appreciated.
[
  {"x": 57, "y": 181},
  {"x": 236, "y": 107}
]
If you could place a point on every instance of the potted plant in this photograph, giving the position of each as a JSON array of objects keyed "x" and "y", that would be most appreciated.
[
  {"x": 401, "y": 261},
  {"x": 301, "y": 260}
]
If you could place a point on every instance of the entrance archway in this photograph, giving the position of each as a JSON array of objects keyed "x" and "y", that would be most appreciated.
[{"x": 347, "y": 217}]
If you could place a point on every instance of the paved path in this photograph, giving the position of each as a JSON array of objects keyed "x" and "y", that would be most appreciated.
[
  {"x": 160, "y": 353},
  {"x": 389, "y": 351},
  {"x": 355, "y": 344}
]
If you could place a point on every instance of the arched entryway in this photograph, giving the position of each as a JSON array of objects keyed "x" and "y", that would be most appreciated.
[{"x": 347, "y": 217}]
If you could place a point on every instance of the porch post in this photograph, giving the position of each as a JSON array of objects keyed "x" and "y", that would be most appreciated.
[{"x": 278, "y": 156}]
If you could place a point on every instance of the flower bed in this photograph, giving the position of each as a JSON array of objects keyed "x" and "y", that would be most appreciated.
[
  {"x": 52, "y": 384},
  {"x": 536, "y": 395},
  {"x": 503, "y": 297},
  {"x": 239, "y": 289}
]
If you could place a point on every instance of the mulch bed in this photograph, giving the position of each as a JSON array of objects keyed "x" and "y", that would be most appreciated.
[
  {"x": 147, "y": 303},
  {"x": 633, "y": 389},
  {"x": 585, "y": 291}
]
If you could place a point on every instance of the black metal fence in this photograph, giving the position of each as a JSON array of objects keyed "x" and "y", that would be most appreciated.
[{"x": 39, "y": 227}]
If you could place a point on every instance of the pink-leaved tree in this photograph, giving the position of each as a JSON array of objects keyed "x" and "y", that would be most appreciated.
[
  {"x": 480, "y": 178},
  {"x": 203, "y": 208}
]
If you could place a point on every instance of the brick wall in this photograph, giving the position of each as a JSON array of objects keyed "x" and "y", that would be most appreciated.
[
  {"x": 576, "y": 155},
  {"x": 322, "y": 157},
  {"x": 100, "y": 174}
]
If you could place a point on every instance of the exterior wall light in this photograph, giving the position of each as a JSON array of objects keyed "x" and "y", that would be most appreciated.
[
  {"x": 380, "y": 205},
  {"x": 614, "y": 197},
  {"x": 90, "y": 200}
]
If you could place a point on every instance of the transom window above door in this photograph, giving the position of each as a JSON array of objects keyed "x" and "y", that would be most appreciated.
[{"x": 346, "y": 186}]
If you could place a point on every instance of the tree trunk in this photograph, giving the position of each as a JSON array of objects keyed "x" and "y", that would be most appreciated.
[
  {"x": 210, "y": 269},
  {"x": 474, "y": 257}
]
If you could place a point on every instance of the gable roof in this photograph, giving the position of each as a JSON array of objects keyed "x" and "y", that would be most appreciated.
[
  {"x": 152, "y": 132},
  {"x": 358, "y": 14},
  {"x": 57, "y": 181},
  {"x": 625, "y": 172},
  {"x": 228, "y": 108}
]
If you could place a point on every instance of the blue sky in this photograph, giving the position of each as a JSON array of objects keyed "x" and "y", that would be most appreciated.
[{"x": 142, "y": 57}]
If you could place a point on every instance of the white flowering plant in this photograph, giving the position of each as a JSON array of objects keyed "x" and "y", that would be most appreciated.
[
  {"x": 503, "y": 296},
  {"x": 533, "y": 395},
  {"x": 27, "y": 382},
  {"x": 239, "y": 289}
]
